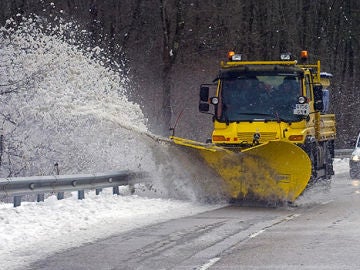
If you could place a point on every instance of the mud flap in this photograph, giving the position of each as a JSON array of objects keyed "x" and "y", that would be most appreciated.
[{"x": 275, "y": 171}]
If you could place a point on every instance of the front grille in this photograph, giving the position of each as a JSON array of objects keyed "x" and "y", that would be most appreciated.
[{"x": 249, "y": 136}]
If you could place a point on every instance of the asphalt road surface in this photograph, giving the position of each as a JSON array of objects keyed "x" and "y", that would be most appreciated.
[{"x": 321, "y": 231}]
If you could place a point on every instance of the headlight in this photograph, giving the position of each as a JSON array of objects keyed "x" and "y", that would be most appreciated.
[
  {"x": 355, "y": 158},
  {"x": 302, "y": 100},
  {"x": 214, "y": 100}
]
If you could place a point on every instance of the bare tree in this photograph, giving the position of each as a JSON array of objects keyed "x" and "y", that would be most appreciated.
[{"x": 171, "y": 46}]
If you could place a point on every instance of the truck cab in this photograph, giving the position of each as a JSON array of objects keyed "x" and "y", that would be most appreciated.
[{"x": 260, "y": 101}]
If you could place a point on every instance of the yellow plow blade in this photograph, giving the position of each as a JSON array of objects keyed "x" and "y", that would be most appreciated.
[{"x": 275, "y": 171}]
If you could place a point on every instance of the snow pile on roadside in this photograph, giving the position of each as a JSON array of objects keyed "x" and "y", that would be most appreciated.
[{"x": 36, "y": 230}]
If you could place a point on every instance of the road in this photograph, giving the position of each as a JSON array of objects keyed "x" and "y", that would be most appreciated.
[{"x": 321, "y": 231}]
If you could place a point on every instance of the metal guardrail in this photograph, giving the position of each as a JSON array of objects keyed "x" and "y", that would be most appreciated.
[{"x": 39, "y": 185}]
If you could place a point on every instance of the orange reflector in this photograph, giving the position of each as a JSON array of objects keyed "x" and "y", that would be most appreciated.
[
  {"x": 217, "y": 138},
  {"x": 304, "y": 55},
  {"x": 296, "y": 138},
  {"x": 230, "y": 55}
]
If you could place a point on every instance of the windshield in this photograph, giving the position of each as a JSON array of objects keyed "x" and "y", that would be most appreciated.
[{"x": 267, "y": 97}]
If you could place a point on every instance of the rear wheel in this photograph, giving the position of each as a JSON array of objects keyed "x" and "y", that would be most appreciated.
[
  {"x": 329, "y": 169},
  {"x": 321, "y": 157}
]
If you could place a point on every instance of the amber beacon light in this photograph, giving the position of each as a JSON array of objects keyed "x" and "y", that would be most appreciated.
[
  {"x": 304, "y": 55},
  {"x": 230, "y": 55}
]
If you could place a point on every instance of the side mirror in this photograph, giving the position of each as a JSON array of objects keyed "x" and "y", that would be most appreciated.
[
  {"x": 204, "y": 107},
  {"x": 204, "y": 93},
  {"x": 318, "y": 97}
]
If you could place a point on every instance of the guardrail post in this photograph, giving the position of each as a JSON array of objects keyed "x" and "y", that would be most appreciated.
[
  {"x": 132, "y": 188},
  {"x": 60, "y": 195},
  {"x": 81, "y": 194},
  {"x": 17, "y": 201},
  {"x": 40, "y": 197},
  {"x": 98, "y": 190},
  {"x": 116, "y": 190}
]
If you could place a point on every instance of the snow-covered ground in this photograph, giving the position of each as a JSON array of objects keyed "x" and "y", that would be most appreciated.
[{"x": 35, "y": 230}]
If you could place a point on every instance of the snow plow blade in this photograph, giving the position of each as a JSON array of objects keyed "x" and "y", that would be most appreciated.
[{"x": 271, "y": 172}]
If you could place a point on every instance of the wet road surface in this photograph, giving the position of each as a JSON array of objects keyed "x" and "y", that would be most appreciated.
[{"x": 321, "y": 231}]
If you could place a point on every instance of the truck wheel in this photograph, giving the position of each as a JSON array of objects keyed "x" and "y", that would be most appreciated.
[
  {"x": 310, "y": 149},
  {"x": 329, "y": 170}
]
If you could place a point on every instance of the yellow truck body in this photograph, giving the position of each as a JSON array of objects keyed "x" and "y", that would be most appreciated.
[{"x": 271, "y": 135}]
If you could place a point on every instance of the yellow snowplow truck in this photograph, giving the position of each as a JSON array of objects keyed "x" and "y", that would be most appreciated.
[{"x": 272, "y": 135}]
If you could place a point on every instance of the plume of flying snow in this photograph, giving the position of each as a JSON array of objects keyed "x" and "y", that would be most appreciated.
[{"x": 59, "y": 102}]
